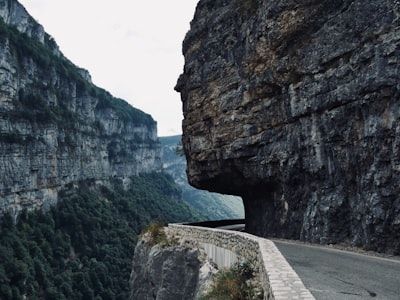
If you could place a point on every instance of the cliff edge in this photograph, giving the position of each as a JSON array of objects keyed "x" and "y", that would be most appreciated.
[
  {"x": 168, "y": 268},
  {"x": 294, "y": 105},
  {"x": 56, "y": 127}
]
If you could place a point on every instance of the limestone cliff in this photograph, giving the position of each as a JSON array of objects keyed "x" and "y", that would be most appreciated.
[
  {"x": 56, "y": 127},
  {"x": 294, "y": 105},
  {"x": 169, "y": 272}
]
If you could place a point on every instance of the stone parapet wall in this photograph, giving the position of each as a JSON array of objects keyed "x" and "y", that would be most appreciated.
[{"x": 279, "y": 280}]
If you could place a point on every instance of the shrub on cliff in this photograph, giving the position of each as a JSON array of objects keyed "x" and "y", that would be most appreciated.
[
  {"x": 154, "y": 234},
  {"x": 236, "y": 283}
]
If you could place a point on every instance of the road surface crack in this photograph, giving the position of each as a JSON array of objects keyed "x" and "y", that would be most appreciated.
[{"x": 371, "y": 294}]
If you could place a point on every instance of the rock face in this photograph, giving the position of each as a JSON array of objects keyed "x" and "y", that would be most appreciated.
[
  {"x": 56, "y": 127},
  {"x": 294, "y": 105},
  {"x": 169, "y": 273}
]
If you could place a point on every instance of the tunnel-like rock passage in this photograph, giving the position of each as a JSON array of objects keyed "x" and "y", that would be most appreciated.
[{"x": 294, "y": 105}]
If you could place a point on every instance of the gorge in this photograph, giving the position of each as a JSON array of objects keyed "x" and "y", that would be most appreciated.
[{"x": 291, "y": 105}]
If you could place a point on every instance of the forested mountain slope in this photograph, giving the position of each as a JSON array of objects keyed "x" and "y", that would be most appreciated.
[{"x": 83, "y": 247}]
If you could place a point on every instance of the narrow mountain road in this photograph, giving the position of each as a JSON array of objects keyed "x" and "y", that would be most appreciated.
[{"x": 341, "y": 275}]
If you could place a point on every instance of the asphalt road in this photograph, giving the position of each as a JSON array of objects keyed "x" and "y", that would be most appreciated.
[{"x": 341, "y": 275}]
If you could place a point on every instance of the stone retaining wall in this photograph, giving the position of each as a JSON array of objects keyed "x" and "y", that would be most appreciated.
[{"x": 279, "y": 280}]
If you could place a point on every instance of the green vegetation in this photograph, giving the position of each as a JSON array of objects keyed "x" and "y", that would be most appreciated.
[
  {"x": 33, "y": 108},
  {"x": 122, "y": 108},
  {"x": 234, "y": 284},
  {"x": 82, "y": 249},
  {"x": 154, "y": 234},
  {"x": 42, "y": 54}
]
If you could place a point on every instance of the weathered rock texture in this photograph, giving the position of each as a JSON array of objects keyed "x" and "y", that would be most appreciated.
[
  {"x": 169, "y": 273},
  {"x": 294, "y": 105},
  {"x": 56, "y": 127}
]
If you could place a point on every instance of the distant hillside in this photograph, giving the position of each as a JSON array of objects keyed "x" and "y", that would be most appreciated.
[{"x": 214, "y": 206}]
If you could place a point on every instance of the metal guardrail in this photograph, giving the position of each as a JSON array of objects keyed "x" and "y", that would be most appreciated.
[{"x": 216, "y": 223}]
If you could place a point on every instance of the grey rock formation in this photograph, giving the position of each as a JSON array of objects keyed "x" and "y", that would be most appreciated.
[
  {"x": 294, "y": 105},
  {"x": 13, "y": 13},
  {"x": 56, "y": 127},
  {"x": 169, "y": 273}
]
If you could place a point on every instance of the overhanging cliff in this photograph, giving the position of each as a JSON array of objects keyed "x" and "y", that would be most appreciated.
[
  {"x": 294, "y": 105},
  {"x": 56, "y": 127}
]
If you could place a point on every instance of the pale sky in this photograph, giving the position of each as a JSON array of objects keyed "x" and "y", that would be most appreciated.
[{"x": 131, "y": 48}]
